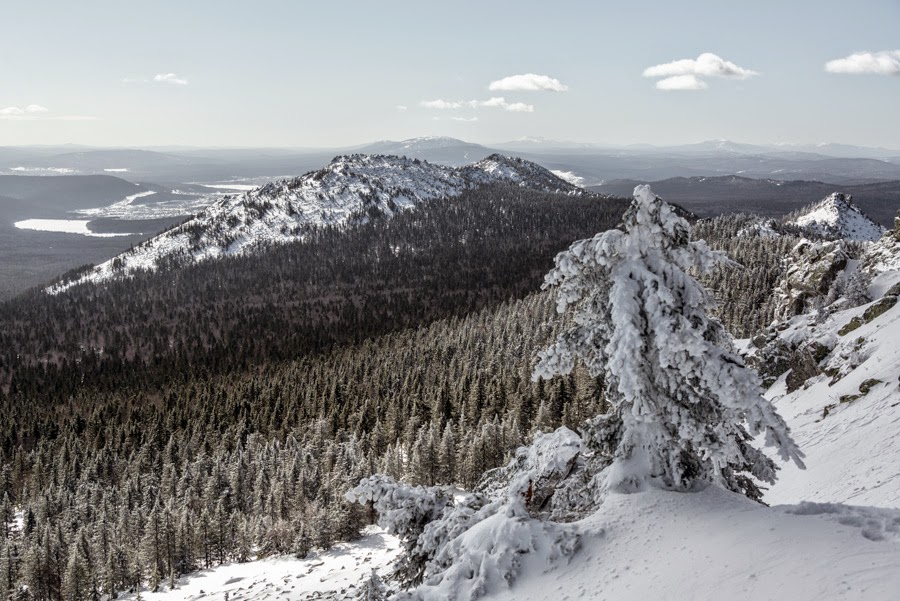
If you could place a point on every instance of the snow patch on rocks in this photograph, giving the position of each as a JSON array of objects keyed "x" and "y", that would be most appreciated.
[{"x": 837, "y": 217}]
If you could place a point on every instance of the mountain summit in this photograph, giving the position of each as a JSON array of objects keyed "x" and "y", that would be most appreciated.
[
  {"x": 836, "y": 216},
  {"x": 351, "y": 189}
]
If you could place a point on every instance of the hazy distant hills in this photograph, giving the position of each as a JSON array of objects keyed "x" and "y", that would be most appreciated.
[
  {"x": 189, "y": 165},
  {"x": 36, "y": 196},
  {"x": 595, "y": 164},
  {"x": 709, "y": 196},
  {"x": 434, "y": 149}
]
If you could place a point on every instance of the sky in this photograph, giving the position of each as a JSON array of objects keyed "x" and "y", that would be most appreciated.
[{"x": 332, "y": 74}]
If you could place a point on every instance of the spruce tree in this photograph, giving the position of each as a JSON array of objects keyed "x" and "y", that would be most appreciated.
[{"x": 685, "y": 408}]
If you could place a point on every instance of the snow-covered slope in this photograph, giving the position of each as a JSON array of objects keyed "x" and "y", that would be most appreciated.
[
  {"x": 847, "y": 418},
  {"x": 836, "y": 216},
  {"x": 350, "y": 188},
  {"x": 336, "y": 574},
  {"x": 715, "y": 545}
]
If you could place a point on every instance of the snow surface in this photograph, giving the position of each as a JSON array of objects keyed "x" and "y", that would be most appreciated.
[
  {"x": 67, "y": 226},
  {"x": 334, "y": 574},
  {"x": 714, "y": 545},
  {"x": 52, "y": 170},
  {"x": 569, "y": 176},
  {"x": 117, "y": 208},
  {"x": 345, "y": 190},
  {"x": 837, "y": 216}
]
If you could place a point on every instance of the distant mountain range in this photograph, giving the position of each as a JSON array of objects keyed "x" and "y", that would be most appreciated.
[{"x": 591, "y": 163}]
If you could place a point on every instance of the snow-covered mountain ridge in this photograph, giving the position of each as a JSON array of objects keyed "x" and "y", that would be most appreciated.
[
  {"x": 837, "y": 217},
  {"x": 352, "y": 188}
]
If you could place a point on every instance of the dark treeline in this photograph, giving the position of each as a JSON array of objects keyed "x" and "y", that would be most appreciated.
[
  {"x": 178, "y": 420},
  {"x": 448, "y": 258},
  {"x": 744, "y": 294},
  {"x": 141, "y": 486},
  {"x": 193, "y": 417}
]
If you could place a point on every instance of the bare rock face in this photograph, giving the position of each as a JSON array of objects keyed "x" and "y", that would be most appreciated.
[{"x": 814, "y": 266}]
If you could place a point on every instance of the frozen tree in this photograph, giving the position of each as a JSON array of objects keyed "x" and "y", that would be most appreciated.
[
  {"x": 684, "y": 406},
  {"x": 856, "y": 290},
  {"x": 373, "y": 589},
  {"x": 404, "y": 511}
]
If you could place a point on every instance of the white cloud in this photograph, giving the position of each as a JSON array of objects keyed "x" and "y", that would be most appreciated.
[
  {"x": 35, "y": 108},
  {"x": 681, "y": 82},
  {"x": 529, "y": 82},
  {"x": 518, "y": 107},
  {"x": 171, "y": 78},
  {"x": 876, "y": 63},
  {"x": 12, "y": 111},
  {"x": 465, "y": 119},
  {"x": 685, "y": 74},
  {"x": 401, "y": 107},
  {"x": 495, "y": 102},
  {"x": 440, "y": 104},
  {"x": 707, "y": 65}
]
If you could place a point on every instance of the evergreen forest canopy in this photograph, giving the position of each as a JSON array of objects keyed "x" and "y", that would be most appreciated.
[{"x": 219, "y": 411}]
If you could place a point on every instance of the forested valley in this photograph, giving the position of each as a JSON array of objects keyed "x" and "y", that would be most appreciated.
[{"x": 217, "y": 412}]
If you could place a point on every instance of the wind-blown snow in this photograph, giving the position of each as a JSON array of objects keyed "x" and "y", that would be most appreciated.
[
  {"x": 837, "y": 216},
  {"x": 348, "y": 189}
]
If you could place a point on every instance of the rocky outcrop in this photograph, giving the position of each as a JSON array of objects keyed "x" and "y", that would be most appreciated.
[
  {"x": 813, "y": 268},
  {"x": 884, "y": 255}
]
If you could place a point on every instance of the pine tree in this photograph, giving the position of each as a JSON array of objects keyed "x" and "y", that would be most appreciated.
[
  {"x": 680, "y": 395},
  {"x": 373, "y": 589}
]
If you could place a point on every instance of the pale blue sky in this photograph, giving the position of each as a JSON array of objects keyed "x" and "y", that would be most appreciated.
[{"x": 267, "y": 73}]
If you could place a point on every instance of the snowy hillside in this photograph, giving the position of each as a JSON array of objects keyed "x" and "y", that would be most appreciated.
[
  {"x": 836, "y": 216},
  {"x": 548, "y": 526},
  {"x": 351, "y": 188},
  {"x": 846, "y": 416},
  {"x": 833, "y": 531},
  {"x": 336, "y": 574}
]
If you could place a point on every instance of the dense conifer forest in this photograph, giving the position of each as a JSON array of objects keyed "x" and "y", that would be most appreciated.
[{"x": 217, "y": 412}]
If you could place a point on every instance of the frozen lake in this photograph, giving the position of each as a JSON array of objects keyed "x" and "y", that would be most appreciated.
[{"x": 68, "y": 226}]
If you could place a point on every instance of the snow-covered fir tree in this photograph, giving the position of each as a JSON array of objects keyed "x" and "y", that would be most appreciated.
[{"x": 685, "y": 408}]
